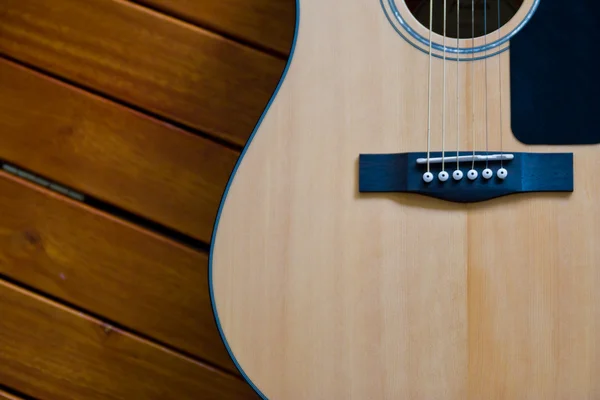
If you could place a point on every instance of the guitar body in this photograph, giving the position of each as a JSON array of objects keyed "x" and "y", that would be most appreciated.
[{"x": 322, "y": 291}]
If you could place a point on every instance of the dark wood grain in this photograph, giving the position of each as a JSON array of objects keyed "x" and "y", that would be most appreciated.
[
  {"x": 160, "y": 64},
  {"x": 48, "y": 352},
  {"x": 265, "y": 23},
  {"x": 111, "y": 152},
  {"x": 137, "y": 279}
]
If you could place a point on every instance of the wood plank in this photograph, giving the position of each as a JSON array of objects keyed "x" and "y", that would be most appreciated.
[
  {"x": 112, "y": 153},
  {"x": 47, "y": 351},
  {"x": 137, "y": 279},
  {"x": 158, "y": 63},
  {"x": 266, "y": 23}
]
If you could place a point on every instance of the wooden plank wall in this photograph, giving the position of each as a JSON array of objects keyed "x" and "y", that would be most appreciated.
[{"x": 121, "y": 122}]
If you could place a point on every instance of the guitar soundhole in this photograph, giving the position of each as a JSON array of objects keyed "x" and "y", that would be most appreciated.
[
  {"x": 483, "y": 9},
  {"x": 410, "y": 19}
]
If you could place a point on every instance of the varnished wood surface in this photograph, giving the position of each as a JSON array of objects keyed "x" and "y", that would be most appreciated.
[
  {"x": 323, "y": 292},
  {"x": 108, "y": 267},
  {"x": 81, "y": 358},
  {"x": 266, "y": 23},
  {"x": 122, "y": 102},
  {"x": 157, "y": 63},
  {"x": 112, "y": 153}
]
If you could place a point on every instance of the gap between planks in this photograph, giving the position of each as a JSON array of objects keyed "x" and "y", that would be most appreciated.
[
  {"x": 78, "y": 357},
  {"x": 11, "y": 394},
  {"x": 214, "y": 29},
  {"x": 231, "y": 145},
  {"x": 103, "y": 206},
  {"x": 4, "y": 395},
  {"x": 110, "y": 327},
  {"x": 187, "y": 24}
]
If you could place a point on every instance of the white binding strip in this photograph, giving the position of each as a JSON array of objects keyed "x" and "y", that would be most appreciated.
[{"x": 491, "y": 157}]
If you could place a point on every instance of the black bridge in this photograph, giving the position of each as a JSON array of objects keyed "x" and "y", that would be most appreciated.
[{"x": 526, "y": 172}]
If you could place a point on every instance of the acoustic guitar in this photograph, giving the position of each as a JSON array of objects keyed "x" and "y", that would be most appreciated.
[{"x": 416, "y": 214}]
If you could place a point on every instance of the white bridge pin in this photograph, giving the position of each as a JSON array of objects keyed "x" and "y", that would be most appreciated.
[
  {"x": 443, "y": 176},
  {"x": 457, "y": 175},
  {"x": 472, "y": 174},
  {"x": 487, "y": 173},
  {"x": 428, "y": 177},
  {"x": 502, "y": 173}
]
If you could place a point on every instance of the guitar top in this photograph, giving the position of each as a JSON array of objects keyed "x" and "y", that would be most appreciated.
[{"x": 414, "y": 216}]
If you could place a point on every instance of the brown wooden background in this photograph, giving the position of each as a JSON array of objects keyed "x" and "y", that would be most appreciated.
[{"x": 120, "y": 123}]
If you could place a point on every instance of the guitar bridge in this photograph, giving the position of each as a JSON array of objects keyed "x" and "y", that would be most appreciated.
[{"x": 524, "y": 173}]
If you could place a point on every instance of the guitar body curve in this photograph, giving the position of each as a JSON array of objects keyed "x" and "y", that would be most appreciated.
[{"x": 323, "y": 292}]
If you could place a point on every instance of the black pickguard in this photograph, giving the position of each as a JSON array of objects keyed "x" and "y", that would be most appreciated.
[{"x": 555, "y": 75}]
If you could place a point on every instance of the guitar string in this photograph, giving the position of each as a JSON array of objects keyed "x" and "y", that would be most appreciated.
[
  {"x": 500, "y": 90},
  {"x": 487, "y": 149},
  {"x": 429, "y": 86},
  {"x": 473, "y": 81},
  {"x": 457, "y": 86},
  {"x": 444, "y": 97}
]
